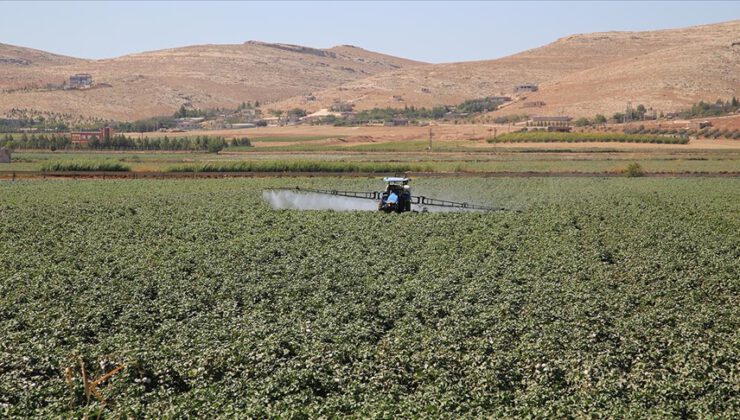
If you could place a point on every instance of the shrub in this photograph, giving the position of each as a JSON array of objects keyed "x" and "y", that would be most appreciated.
[{"x": 634, "y": 170}]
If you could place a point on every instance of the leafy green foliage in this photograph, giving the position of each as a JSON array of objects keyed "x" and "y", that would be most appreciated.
[
  {"x": 631, "y": 114},
  {"x": 582, "y": 122},
  {"x": 211, "y": 144},
  {"x": 480, "y": 105},
  {"x": 84, "y": 165},
  {"x": 145, "y": 125},
  {"x": 41, "y": 141},
  {"x": 299, "y": 166},
  {"x": 607, "y": 298},
  {"x": 510, "y": 119},
  {"x": 388, "y": 114},
  {"x": 634, "y": 170},
  {"x": 708, "y": 109},
  {"x": 189, "y": 112}
]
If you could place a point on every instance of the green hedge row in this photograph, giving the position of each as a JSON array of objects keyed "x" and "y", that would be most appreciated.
[
  {"x": 298, "y": 166},
  {"x": 547, "y": 137},
  {"x": 91, "y": 166}
]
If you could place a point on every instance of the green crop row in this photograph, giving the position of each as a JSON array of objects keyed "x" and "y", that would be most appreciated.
[
  {"x": 547, "y": 137},
  {"x": 597, "y": 298},
  {"x": 299, "y": 166},
  {"x": 84, "y": 165}
]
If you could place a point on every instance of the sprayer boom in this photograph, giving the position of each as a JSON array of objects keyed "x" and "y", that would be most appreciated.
[{"x": 401, "y": 202}]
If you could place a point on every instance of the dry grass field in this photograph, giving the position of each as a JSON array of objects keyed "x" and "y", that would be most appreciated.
[{"x": 472, "y": 136}]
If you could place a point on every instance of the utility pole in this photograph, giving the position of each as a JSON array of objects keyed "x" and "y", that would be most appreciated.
[
  {"x": 494, "y": 140},
  {"x": 430, "y": 137}
]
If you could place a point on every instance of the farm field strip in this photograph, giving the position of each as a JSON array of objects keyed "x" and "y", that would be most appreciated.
[
  {"x": 710, "y": 161},
  {"x": 598, "y": 297}
]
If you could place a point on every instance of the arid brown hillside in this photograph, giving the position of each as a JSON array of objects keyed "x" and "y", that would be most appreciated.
[
  {"x": 11, "y": 55},
  {"x": 206, "y": 76},
  {"x": 706, "y": 66},
  {"x": 20, "y": 67},
  {"x": 577, "y": 75}
]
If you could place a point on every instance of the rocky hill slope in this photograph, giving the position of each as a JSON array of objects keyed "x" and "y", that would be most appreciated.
[
  {"x": 577, "y": 75},
  {"x": 205, "y": 76}
]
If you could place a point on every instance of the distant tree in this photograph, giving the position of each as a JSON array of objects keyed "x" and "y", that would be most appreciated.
[
  {"x": 582, "y": 122},
  {"x": 216, "y": 144},
  {"x": 439, "y": 112},
  {"x": 297, "y": 112},
  {"x": 640, "y": 111},
  {"x": 182, "y": 112},
  {"x": 600, "y": 119},
  {"x": 242, "y": 141}
]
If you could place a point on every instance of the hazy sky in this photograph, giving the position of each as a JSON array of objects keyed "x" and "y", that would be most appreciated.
[{"x": 426, "y": 31}]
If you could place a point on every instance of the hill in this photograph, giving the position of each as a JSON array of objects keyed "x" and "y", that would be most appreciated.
[
  {"x": 577, "y": 75},
  {"x": 11, "y": 55},
  {"x": 205, "y": 76}
]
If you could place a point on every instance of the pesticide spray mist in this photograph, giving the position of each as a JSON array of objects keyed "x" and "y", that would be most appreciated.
[{"x": 295, "y": 200}]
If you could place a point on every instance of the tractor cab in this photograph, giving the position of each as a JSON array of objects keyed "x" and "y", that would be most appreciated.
[{"x": 396, "y": 197}]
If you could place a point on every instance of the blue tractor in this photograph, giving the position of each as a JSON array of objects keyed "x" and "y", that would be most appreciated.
[{"x": 396, "y": 197}]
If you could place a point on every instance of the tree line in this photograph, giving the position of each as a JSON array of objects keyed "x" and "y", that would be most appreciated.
[
  {"x": 706, "y": 109},
  {"x": 53, "y": 142}
]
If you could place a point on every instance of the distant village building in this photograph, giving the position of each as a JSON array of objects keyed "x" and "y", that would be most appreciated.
[
  {"x": 527, "y": 87},
  {"x": 454, "y": 115},
  {"x": 550, "y": 123},
  {"x": 551, "y": 119},
  {"x": 191, "y": 123},
  {"x": 342, "y": 106},
  {"x": 84, "y": 137},
  {"x": 533, "y": 104},
  {"x": 4, "y": 155},
  {"x": 272, "y": 121},
  {"x": 291, "y": 119},
  {"x": 80, "y": 81},
  {"x": 561, "y": 128},
  {"x": 243, "y": 125},
  {"x": 323, "y": 113},
  {"x": 397, "y": 122}
]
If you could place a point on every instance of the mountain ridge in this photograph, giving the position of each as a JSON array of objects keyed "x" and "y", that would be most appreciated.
[
  {"x": 578, "y": 75},
  {"x": 558, "y": 64}
]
